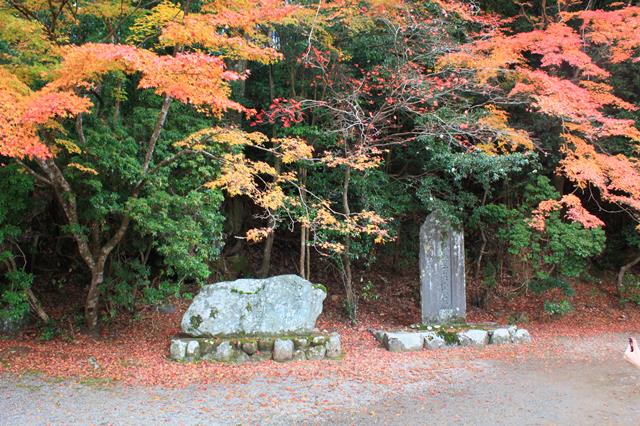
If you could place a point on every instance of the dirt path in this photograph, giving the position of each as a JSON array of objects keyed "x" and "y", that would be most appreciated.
[{"x": 590, "y": 384}]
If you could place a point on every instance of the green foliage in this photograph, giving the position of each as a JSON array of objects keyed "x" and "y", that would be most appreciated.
[
  {"x": 557, "y": 309},
  {"x": 369, "y": 292},
  {"x": 15, "y": 187},
  {"x": 14, "y": 304}
]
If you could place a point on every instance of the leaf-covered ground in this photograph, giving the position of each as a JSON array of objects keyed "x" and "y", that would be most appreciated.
[{"x": 135, "y": 352}]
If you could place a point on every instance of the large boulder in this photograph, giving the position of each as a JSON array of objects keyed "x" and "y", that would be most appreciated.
[{"x": 276, "y": 305}]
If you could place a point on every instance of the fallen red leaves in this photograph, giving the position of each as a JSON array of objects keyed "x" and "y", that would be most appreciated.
[{"x": 137, "y": 354}]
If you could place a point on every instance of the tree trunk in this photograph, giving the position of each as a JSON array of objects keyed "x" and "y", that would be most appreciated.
[
  {"x": 347, "y": 278},
  {"x": 623, "y": 270},
  {"x": 93, "y": 298},
  {"x": 304, "y": 230}
]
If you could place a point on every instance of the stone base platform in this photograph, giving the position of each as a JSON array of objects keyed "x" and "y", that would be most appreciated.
[
  {"x": 438, "y": 336},
  {"x": 237, "y": 349}
]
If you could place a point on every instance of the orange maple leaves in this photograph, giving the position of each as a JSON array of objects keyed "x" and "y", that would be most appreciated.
[
  {"x": 23, "y": 112},
  {"x": 552, "y": 68}
]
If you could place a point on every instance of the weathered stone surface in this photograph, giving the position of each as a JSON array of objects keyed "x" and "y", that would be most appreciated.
[
  {"x": 192, "y": 348},
  {"x": 484, "y": 334},
  {"x": 281, "y": 304},
  {"x": 301, "y": 342},
  {"x": 442, "y": 277},
  {"x": 250, "y": 347},
  {"x": 224, "y": 352},
  {"x": 265, "y": 344},
  {"x": 282, "y": 350},
  {"x": 521, "y": 336},
  {"x": 167, "y": 308},
  {"x": 261, "y": 356},
  {"x": 239, "y": 357},
  {"x": 473, "y": 337},
  {"x": 11, "y": 326},
  {"x": 500, "y": 336},
  {"x": 432, "y": 340},
  {"x": 403, "y": 341},
  {"x": 316, "y": 352},
  {"x": 333, "y": 346},
  {"x": 319, "y": 340},
  {"x": 299, "y": 355},
  {"x": 178, "y": 349}
]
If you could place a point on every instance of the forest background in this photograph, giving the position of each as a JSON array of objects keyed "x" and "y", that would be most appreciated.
[{"x": 148, "y": 148}]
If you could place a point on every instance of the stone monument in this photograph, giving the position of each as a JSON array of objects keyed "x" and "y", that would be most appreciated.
[
  {"x": 254, "y": 320},
  {"x": 442, "y": 278}
]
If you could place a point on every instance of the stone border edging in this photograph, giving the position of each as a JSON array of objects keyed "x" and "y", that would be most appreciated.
[
  {"x": 405, "y": 341},
  {"x": 238, "y": 349}
]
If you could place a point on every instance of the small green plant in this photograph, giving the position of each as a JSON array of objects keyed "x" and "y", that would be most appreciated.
[
  {"x": 369, "y": 292},
  {"x": 49, "y": 331},
  {"x": 557, "y": 309}
]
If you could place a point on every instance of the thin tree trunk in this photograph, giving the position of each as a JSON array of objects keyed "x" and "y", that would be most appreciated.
[
  {"x": 308, "y": 256},
  {"x": 623, "y": 270},
  {"x": 352, "y": 302},
  {"x": 303, "y": 251},
  {"x": 37, "y": 306},
  {"x": 303, "y": 229},
  {"x": 265, "y": 264}
]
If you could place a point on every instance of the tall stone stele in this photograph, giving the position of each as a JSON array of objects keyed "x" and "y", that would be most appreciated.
[{"x": 442, "y": 278}]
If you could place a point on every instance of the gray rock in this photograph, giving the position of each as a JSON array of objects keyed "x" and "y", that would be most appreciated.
[
  {"x": 193, "y": 349},
  {"x": 281, "y": 304},
  {"x": 473, "y": 337},
  {"x": 12, "y": 326},
  {"x": 178, "y": 349},
  {"x": 319, "y": 340},
  {"x": 301, "y": 343},
  {"x": 224, "y": 352},
  {"x": 433, "y": 341},
  {"x": 378, "y": 334},
  {"x": 403, "y": 341},
  {"x": 442, "y": 277},
  {"x": 265, "y": 344},
  {"x": 261, "y": 356},
  {"x": 333, "y": 346},
  {"x": 521, "y": 336},
  {"x": 282, "y": 350},
  {"x": 167, "y": 308},
  {"x": 500, "y": 336},
  {"x": 250, "y": 348},
  {"x": 93, "y": 362},
  {"x": 299, "y": 355},
  {"x": 240, "y": 357},
  {"x": 316, "y": 352}
]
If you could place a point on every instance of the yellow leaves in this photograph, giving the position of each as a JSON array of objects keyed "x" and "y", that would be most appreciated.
[
  {"x": 258, "y": 234},
  {"x": 150, "y": 25},
  {"x": 363, "y": 223},
  {"x": 506, "y": 139},
  {"x": 293, "y": 149},
  {"x": 106, "y": 9},
  {"x": 69, "y": 146},
  {"x": 83, "y": 169},
  {"x": 227, "y": 136},
  {"x": 356, "y": 161},
  {"x": 201, "y": 30}
]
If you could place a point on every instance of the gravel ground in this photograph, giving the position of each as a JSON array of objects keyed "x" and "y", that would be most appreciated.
[{"x": 590, "y": 385}]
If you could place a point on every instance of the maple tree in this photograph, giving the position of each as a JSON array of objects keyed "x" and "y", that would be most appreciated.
[
  {"x": 33, "y": 121},
  {"x": 171, "y": 134}
]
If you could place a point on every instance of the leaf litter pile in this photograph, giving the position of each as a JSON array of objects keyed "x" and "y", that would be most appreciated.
[{"x": 136, "y": 352}]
